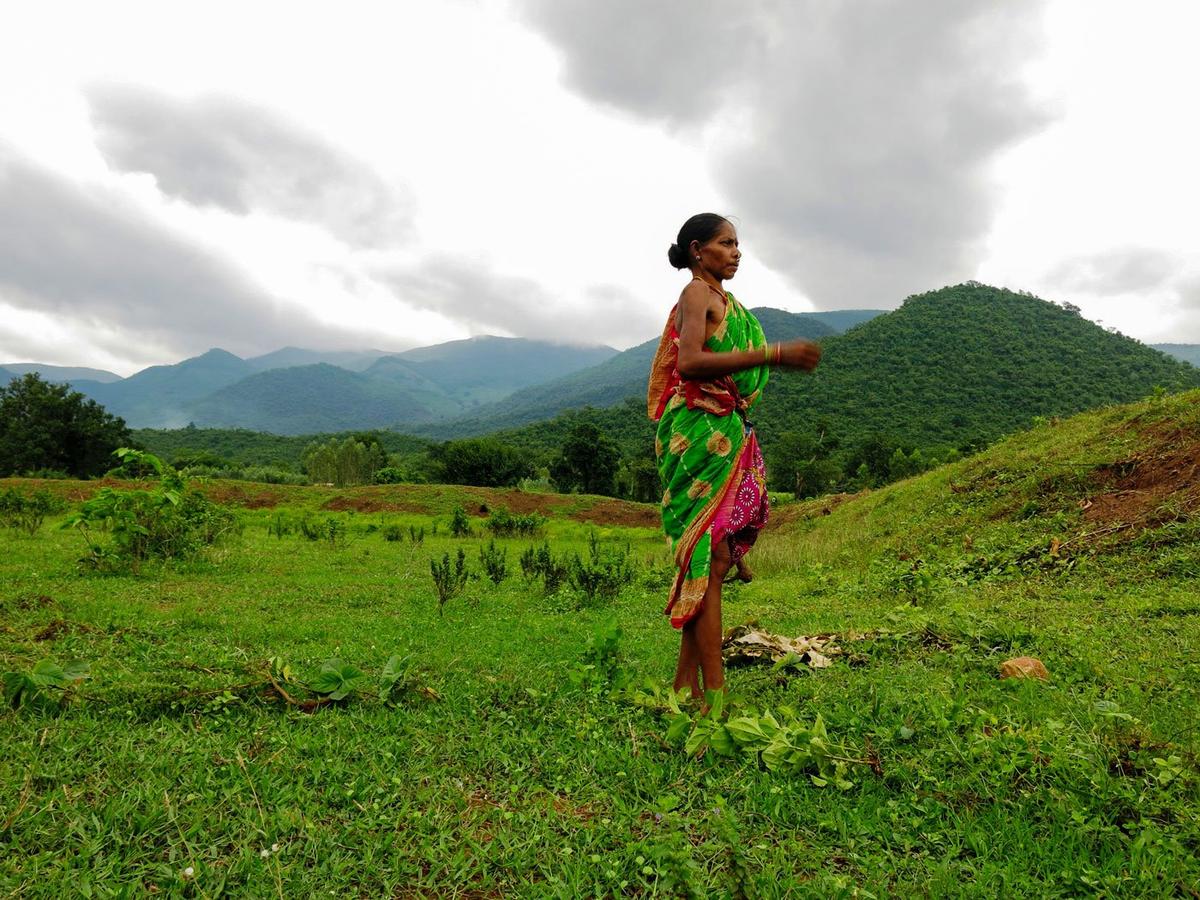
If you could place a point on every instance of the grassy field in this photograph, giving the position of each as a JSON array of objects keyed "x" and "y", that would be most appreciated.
[{"x": 507, "y": 761}]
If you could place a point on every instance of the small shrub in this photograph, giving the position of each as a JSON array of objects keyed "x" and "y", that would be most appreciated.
[
  {"x": 502, "y": 523},
  {"x": 602, "y": 575},
  {"x": 279, "y": 525},
  {"x": 494, "y": 562},
  {"x": 449, "y": 581},
  {"x": 389, "y": 475},
  {"x": 539, "y": 562},
  {"x": 416, "y": 535},
  {"x": 393, "y": 533},
  {"x": 460, "y": 525},
  {"x": 26, "y": 512}
]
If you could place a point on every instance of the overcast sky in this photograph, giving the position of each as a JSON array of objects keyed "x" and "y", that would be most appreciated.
[{"x": 175, "y": 177}]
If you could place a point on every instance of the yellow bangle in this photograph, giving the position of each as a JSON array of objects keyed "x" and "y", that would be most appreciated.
[{"x": 766, "y": 353}]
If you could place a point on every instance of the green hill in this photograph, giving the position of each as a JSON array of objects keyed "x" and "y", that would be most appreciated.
[
  {"x": 308, "y": 399},
  {"x": 608, "y": 384},
  {"x": 486, "y": 368},
  {"x": 288, "y": 357},
  {"x": 966, "y": 364},
  {"x": 59, "y": 373},
  {"x": 161, "y": 396}
]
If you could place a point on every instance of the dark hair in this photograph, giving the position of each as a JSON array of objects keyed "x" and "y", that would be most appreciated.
[{"x": 701, "y": 227}]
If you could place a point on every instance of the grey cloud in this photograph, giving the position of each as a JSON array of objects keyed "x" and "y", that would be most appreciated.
[
  {"x": 85, "y": 254},
  {"x": 224, "y": 152},
  {"x": 485, "y": 301},
  {"x": 1118, "y": 271},
  {"x": 864, "y": 129}
]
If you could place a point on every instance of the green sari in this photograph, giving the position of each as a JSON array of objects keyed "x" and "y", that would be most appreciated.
[{"x": 708, "y": 457}]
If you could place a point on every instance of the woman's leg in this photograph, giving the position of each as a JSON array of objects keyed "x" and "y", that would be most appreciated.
[
  {"x": 700, "y": 639},
  {"x": 687, "y": 670},
  {"x": 707, "y": 624}
]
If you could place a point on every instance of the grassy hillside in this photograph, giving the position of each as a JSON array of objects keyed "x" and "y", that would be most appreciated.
[
  {"x": 607, "y": 384},
  {"x": 507, "y": 761}
]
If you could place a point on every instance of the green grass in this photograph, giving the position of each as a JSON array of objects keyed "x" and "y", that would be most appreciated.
[{"x": 506, "y": 779}]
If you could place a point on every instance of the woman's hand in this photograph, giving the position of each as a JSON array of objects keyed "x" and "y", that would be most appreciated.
[{"x": 799, "y": 354}]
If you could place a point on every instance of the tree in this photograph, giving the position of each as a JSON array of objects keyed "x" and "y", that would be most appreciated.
[
  {"x": 49, "y": 426},
  {"x": 343, "y": 463},
  {"x": 588, "y": 462},
  {"x": 483, "y": 462}
]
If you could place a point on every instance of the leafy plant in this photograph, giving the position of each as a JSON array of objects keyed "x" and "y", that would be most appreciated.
[
  {"x": 416, "y": 535},
  {"x": 45, "y": 687},
  {"x": 337, "y": 679},
  {"x": 782, "y": 743},
  {"x": 600, "y": 664},
  {"x": 460, "y": 525},
  {"x": 393, "y": 533},
  {"x": 447, "y": 580},
  {"x": 167, "y": 522},
  {"x": 494, "y": 561}
]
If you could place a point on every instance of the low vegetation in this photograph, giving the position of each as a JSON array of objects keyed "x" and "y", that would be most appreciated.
[{"x": 285, "y": 716}]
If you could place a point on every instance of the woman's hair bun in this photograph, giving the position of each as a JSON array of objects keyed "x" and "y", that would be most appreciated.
[{"x": 700, "y": 228}]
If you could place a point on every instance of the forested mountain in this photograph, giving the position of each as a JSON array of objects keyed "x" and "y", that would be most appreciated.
[
  {"x": 162, "y": 395},
  {"x": 287, "y": 357},
  {"x": 309, "y": 399},
  {"x": 1189, "y": 353},
  {"x": 613, "y": 381},
  {"x": 952, "y": 368},
  {"x": 58, "y": 374},
  {"x": 486, "y": 368},
  {"x": 964, "y": 364}
]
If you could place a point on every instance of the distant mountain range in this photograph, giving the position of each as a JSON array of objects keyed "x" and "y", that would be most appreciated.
[{"x": 993, "y": 344}]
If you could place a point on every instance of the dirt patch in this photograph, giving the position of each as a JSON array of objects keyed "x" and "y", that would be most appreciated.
[
  {"x": 807, "y": 509},
  {"x": 620, "y": 512},
  {"x": 250, "y": 497},
  {"x": 1157, "y": 485},
  {"x": 372, "y": 504}
]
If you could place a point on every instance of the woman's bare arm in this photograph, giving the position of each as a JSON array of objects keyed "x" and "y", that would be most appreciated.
[{"x": 696, "y": 364}]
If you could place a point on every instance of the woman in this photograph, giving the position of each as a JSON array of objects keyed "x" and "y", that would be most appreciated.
[{"x": 709, "y": 372}]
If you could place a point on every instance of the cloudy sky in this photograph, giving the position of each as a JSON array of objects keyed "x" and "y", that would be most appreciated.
[{"x": 175, "y": 177}]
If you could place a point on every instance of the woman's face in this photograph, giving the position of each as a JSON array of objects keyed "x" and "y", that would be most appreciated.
[{"x": 720, "y": 254}]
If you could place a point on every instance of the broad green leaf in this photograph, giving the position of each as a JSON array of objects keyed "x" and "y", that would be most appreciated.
[
  {"x": 678, "y": 728},
  {"x": 48, "y": 673},
  {"x": 76, "y": 670},
  {"x": 721, "y": 742}
]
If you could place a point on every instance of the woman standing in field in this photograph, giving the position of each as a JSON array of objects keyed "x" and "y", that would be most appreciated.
[{"x": 709, "y": 372}]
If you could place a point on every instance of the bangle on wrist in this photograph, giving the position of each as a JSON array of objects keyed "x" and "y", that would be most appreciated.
[{"x": 766, "y": 353}]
